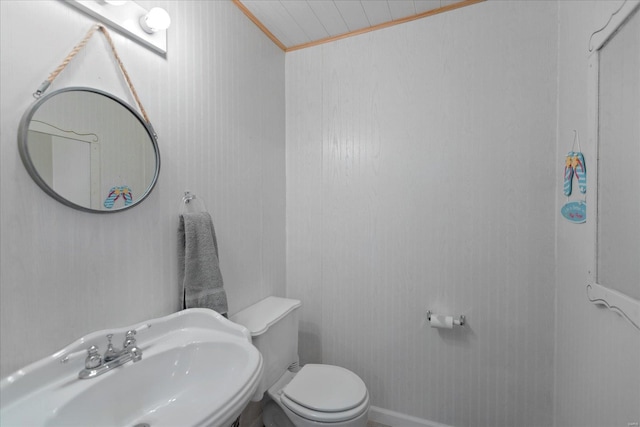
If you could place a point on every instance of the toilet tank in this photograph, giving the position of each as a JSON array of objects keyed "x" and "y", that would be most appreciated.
[{"x": 273, "y": 324}]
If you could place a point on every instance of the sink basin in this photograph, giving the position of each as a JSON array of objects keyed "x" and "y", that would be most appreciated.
[{"x": 197, "y": 369}]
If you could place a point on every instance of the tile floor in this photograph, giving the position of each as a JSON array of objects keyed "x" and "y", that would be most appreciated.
[{"x": 374, "y": 424}]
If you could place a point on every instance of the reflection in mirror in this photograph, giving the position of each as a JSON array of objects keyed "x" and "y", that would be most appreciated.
[
  {"x": 89, "y": 150},
  {"x": 615, "y": 112},
  {"x": 64, "y": 161}
]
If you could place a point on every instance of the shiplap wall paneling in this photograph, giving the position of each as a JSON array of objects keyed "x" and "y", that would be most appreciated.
[
  {"x": 304, "y": 200},
  {"x": 330, "y": 17},
  {"x": 401, "y": 8},
  {"x": 281, "y": 23},
  {"x": 352, "y": 14},
  {"x": 425, "y": 5},
  {"x": 298, "y": 23},
  {"x": 377, "y": 12},
  {"x": 411, "y": 213},
  {"x": 309, "y": 21},
  {"x": 217, "y": 103}
]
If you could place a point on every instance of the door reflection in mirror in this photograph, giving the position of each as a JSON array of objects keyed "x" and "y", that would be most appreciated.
[{"x": 80, "y": 143}]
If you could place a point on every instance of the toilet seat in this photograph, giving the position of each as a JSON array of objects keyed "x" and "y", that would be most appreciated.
[
  {"x": 326, "y": 393},
  {"x": 324, "y": 417}
]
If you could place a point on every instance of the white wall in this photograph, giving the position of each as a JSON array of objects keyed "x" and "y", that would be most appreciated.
[
  {"x": 421, "y": 175},
  {"x": 217, "y": 103},
  {"x": 597, "y": 369}
]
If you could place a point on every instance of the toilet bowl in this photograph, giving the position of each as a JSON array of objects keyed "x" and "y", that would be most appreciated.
[
  {"x": 317, "y": 395},
  {"x": 322, "y": 394}
]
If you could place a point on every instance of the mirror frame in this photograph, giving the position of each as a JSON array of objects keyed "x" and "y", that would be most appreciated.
[
  {"x": 598, "y": 294},
  {"x": 23, "y": 130}
]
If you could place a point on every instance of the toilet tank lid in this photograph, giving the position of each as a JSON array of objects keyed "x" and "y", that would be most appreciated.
[{"x": 260, "y": 316}]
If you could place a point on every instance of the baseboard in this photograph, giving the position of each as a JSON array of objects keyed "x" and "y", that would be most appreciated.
[{"x": 396, "y": 419}]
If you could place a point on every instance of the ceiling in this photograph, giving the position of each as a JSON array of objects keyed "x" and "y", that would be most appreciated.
[{"x": 295, "y": 24}]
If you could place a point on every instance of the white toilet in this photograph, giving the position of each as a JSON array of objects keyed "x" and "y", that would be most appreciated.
[{"x": 316, "y": 395}]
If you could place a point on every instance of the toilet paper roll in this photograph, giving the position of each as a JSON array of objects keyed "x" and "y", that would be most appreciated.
[{"x": 440, "y": 321}]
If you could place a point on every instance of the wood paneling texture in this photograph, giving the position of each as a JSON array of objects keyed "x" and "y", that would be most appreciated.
[
  {"x": 420, "y": 171},
  {"x": 298, "y": 23},
  {"x": 217, "y": 103}
]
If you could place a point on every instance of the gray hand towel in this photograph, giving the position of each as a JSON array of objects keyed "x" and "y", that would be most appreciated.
[{"x": 199, "y": 266}]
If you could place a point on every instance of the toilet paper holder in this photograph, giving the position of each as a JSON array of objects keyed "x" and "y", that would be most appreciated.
[{"x": 459, "y": 321}]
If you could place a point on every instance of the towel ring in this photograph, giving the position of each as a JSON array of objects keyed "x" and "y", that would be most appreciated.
[{"x": 191, "y": 204}]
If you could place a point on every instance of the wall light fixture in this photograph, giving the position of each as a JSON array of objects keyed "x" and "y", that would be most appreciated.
[
  {"x": 148, "y": 28},
  {"x": 156, "y": 20}
]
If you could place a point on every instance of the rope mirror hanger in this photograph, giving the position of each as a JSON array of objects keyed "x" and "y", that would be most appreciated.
[{"x": 45, "y": 84}]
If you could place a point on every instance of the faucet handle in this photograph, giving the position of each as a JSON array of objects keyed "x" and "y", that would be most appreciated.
[
  {"x": 93, "y": 359},
  {"x": 131, "y": 346},
  {"x": 129, "y": 339}
]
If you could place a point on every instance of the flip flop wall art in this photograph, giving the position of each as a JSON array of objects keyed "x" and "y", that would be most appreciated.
[
  {"x": 574, "y": 167},
  {"x": 115, "y": 193}
]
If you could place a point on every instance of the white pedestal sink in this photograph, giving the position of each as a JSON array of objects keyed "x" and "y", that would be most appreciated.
[{"x": 197, "y": 369}]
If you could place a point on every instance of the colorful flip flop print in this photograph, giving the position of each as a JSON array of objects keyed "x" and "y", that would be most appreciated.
[
  {"x": 580, "y": 171},
  {"x": 574, "y": 166},
  {"x": 115, "y": 193},
  {"x": 568, "y": 173}
]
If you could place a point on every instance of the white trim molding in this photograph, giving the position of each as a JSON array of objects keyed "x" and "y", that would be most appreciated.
[
  {"x": 625, "y": 305},
  {"x": 622, "y": 304}
]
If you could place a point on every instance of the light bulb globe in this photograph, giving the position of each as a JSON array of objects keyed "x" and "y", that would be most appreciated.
[{"x": 156, "y": 19}]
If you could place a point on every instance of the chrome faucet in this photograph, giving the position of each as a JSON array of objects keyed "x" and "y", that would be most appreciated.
[{"x": 95, "y": 365}]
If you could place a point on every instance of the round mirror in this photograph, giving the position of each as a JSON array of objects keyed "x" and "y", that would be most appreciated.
[{"x": 89, "y": 150}]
